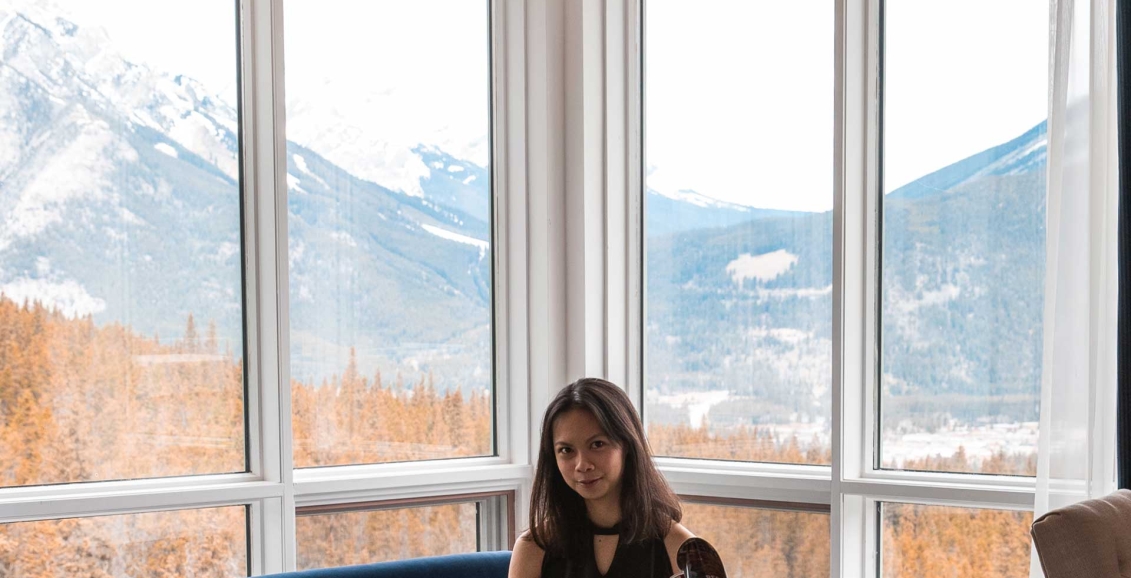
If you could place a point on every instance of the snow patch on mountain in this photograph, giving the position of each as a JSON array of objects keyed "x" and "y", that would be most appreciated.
[
  {"x": 904, "y": 307},
  {"x": 300, "y": 162},
  {"x": 764, "y": 267},
  {"x": 67, "y": 297},
  {"x": 77, "y": 65},
  {"x": 81, "y": 169},
  {"x": 344, "y": 238},
  {"x": 165, "y": 148},
  {"x": 698, "y": 403},
  {"x": 200, "y": 135},
  {"x": 907, "y": 302},
  {"x": 452, "y": 236},
  {"x": 765, "y": 294},
  {"x": 356, "y": 141}
]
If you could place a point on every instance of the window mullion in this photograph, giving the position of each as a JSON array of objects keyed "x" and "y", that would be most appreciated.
[
  {"x": 966, "y": 496},
  {"x": 855, "y": 37},
  {"x": 89, "y": 500},
  {"x": 266, "y": 260}
]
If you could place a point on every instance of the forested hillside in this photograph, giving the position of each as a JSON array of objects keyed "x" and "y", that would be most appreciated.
[{"x": 81, "y": 402}]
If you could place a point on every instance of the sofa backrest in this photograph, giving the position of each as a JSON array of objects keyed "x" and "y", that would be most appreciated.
[
  {"x": 476, "y": 565},
  {"x": 1086, "y": 540}
]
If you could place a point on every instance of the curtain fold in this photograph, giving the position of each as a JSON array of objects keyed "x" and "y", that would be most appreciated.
[{"x": 1076, "y": 449}]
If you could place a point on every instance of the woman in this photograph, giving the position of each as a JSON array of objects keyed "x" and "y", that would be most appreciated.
[{"x": 599, "y": 506}]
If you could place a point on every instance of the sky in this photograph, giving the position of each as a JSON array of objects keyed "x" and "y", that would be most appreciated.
[
  {"x": 405, "y": 72},
  {"x": 740, "y": 108},
  {"x": 416, "y": 71},
  {"x": 196, "y": 38},
  {"x": 739, "y": 93}
]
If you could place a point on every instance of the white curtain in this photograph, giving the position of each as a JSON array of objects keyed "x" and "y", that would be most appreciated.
[{"x": 1076, "y": 451}]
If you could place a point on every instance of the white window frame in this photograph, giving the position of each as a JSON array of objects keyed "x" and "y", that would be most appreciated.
[
  {"x": 852, "y": 486},
  {"x": 271, "y": 489},
  {"x": 568, "y": 207}
]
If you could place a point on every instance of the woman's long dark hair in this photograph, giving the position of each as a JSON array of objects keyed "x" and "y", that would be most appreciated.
[{"x": 558, "y": 517}]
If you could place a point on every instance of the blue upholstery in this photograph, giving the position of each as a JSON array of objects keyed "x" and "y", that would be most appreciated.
[{"x": 477, "y": 565}]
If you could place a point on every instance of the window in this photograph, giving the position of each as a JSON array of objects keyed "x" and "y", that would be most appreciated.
[
  {"x": 345, "y": 534},
  {"x": 121, "y": 289},
  {"x": 960, "y": 542},
  {"x": 915, "y": 276},
  {"x": 170, "y": 287},
  {"x": 738, "y": 230},
  {"x": 277, "y": 297},
  {"x": 210, "y": 542},
  {"x": 340, "y": 539},
  {"x": 963, "y": 232},
  {"x": 389, "y": 221},
  {"x": 754, "y": 540}
]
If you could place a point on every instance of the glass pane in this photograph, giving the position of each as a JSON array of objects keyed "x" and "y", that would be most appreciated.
[
  {"x": 389, "y": 209},
  {"x": 954, "y": 542},
  {"x": 121, "y": 299},
  {"x": 963, "y": 234},
  {"x": 738, "y": 218},
  {"x": 759, "y": 543},
  {"x": 209, "y": 543},
  {"x": 347, "y": 538}
]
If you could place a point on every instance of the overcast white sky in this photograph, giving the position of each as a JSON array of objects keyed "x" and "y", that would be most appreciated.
[
  {"x": 412, "y": 72},
  {"x": 196, "y": 38},
  {"x": 418, "y": 70},
  {"x": 739, "y": 92}
]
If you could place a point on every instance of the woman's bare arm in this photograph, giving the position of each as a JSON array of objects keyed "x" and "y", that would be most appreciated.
[
  {"x": 526, "y": 559},
  {"x": 675, "y": 538}
]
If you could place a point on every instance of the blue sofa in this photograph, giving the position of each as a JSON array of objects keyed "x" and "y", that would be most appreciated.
[{"x": 477, "y": 565}]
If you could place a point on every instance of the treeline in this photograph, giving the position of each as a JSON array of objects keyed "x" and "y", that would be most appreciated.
[
  {"x": 354, "y": 419},
  {"x": 81, "y": 402}
]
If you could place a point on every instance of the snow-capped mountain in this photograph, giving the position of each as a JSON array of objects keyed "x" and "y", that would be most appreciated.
[
  {"x": 747, "y": 308},
  {"x": 119, "y": 198},
  {"x": 1023, "y": 154},
  {"x": 669, "y": 212},
  {"x": 383, "y": 135}
]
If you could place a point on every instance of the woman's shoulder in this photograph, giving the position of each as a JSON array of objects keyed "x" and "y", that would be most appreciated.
[
  {"x": 526, "y": 558},
  {"x": 677, "y": 535}
]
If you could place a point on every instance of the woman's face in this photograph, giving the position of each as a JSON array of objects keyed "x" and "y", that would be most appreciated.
[{"x": 587, "y": 458}]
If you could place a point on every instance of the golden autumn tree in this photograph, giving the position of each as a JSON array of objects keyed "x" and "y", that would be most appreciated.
[{"x": 85, "y": 402}]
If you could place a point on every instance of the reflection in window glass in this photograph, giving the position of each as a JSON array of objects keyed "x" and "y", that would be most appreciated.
[
  {"x": 759, "y": 543},
  {"x": 963, "y": 234},
  {"x": 121, "y": 339},
  {"x": 347, "y": 538},
  {"x": 956, "y": 542},
  {"x": 207, "y": 543},
  {"x": 738, "y": 224},
  {"x": 389, "y": 213}
]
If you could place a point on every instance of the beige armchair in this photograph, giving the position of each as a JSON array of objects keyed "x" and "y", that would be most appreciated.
[{"x": 1090, "y": 539}]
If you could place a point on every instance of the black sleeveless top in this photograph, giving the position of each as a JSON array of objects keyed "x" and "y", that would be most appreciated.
[{"x": 647, "y": 559}]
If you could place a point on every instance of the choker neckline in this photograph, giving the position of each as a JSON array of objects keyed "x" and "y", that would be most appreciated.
[{"x": 603, "y": 531}]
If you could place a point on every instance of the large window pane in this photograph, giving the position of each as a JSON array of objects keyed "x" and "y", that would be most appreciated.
[
  {"x": 963, "y": 231},
  {"x": 347, "y": 538},
  {"x": 208, "y": 543},
  {"x": 121, "y": 307},
  {"x": 955, "y": 542},
  {"x": 761, "y": 543},
  {"x": 738, "y": 225},
  {"x": 389, "y": 204}
]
